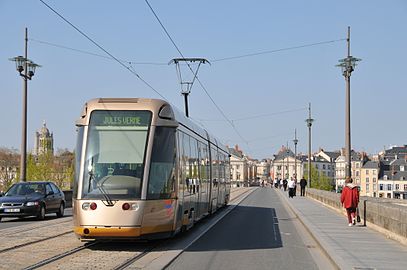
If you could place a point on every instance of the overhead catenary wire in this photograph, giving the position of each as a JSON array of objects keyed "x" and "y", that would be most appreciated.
[
  {"x": 199, "y": 81},
  {"x": 95, "y": 54},
  {"x": 255, "y": 116},
  {"x": 103, "y": 49},
  {"x": 276, "y": 50},
  {"x": 213, "y": 61}
]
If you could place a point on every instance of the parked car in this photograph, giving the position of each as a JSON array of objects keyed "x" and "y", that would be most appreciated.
[{"x": 25, "y": 199}]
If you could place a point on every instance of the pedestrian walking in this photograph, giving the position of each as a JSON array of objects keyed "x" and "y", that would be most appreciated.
[
  {"x": 291, "y": 186},
  {"x": 350, "y": 200},
  {"x": 303, "y": 184},
  {"x": 285, "y": 182}
]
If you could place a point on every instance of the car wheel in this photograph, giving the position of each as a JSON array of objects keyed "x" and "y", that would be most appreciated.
[
  {"x": 60, "y": 212},
  {"x": 41, "y": 214}
]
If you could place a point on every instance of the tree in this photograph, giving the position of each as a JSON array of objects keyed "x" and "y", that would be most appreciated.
[
  {"x": 59, "y": 169},
  {"x": 9, "y": 161},
  {"x": 318, "y": 179}
]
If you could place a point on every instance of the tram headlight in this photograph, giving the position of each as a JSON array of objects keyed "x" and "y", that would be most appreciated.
[
  {"x": 85, "y": 206},
  {"x": 134, "y": 206}
]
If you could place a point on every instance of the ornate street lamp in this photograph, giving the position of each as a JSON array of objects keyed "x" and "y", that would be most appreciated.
[{"x": 23, "y": 64}]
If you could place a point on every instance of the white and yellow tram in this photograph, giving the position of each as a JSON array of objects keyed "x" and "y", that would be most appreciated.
[{"x": 144, "y": 170}]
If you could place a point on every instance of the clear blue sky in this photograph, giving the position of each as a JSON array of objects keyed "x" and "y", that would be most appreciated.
[{"x": 247, "y": 87}]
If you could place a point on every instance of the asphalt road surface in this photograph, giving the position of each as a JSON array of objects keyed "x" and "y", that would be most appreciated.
[
  {"x": 14, "y": 222},
  {"x": 260, "y": 233}
]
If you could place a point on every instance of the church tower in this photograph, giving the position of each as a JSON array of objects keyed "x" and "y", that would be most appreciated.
[{"x": 44, "y": 141}]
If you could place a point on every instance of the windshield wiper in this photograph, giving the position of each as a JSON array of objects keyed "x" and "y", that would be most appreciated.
[{"x": 104, "y": 193}]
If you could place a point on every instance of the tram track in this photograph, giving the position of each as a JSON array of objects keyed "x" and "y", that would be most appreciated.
[
  {"x": 33, "y": 242},
  {"x": 61, "y": 251},
  {"x": 59, "y": 256},
  {"x": 29, "y": 228}
]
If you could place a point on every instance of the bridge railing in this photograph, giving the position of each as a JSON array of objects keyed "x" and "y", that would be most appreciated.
[{"x": 388, "y": 216}]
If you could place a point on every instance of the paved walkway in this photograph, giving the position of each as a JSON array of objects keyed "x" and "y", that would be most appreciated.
[{"x": 356, "y": 247}]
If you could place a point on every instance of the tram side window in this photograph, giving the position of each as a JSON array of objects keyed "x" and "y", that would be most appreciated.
[
  {"x": 194, "y": 187},
  {"x": 221, "y": 168},
  {"x": 162, "y": 169},
  {"x": 203, "y": 164},
  {"x": 227, "y": 169},
  {"x": 186, "y": 163},
  {"x": 215, "y": 167}
]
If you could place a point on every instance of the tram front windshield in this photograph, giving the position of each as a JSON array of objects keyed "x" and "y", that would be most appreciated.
[{"x": 114, "y": 160}]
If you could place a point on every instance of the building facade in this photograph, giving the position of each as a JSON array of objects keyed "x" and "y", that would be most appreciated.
[{"x": 44, "y": 141}]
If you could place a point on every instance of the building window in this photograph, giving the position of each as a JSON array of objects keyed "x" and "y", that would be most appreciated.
[
  {"x": 385, "y": 177},
  {"x": 374, "y": 187},
  {"x": 381, "y": 187},
  {"x": 357, "y": 165},
  {"x": 397, "y": 186},
  {"x": 388, "y": 195},
  {"x": 367, "y": 188},
  {"x": 389, "y": 187},
  {"x": 323, "y": 166},
  {"x": 357, "y": 173},
  {"x": 374, "y": 179},
  {"x": 374, "y": 172},
  {"x": 367, "y": 172},
  {"x": 405, "y": 187},
  {"x": 402, "y": 168},
  {"x": 367, "y": 179}
]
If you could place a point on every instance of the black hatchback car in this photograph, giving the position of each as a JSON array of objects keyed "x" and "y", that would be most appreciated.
[{"x": 32, "y": 199}]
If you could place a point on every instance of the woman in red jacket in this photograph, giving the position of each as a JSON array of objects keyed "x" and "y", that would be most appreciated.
[{"x": 350, "y": 200}]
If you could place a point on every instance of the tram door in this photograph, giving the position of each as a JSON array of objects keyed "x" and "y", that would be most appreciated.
[
  {"x": 188, "y": 182},
  {"x": 214, "y": 180},
  {"x": 180, "y": 182},
  {"x": 194, "y": 179},
  {"x": 203, "y": 166}
]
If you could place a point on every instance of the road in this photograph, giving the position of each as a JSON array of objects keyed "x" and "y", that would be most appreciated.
[
  {"x": 15, "y": 222},
  {"x": 260, "y": 233},
  {"x": 254, "y": 232}
]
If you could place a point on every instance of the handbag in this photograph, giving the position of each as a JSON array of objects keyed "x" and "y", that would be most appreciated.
[{"x": 357, "y": 215}]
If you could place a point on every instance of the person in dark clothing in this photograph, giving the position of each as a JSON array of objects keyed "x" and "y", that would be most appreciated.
[
  {"x": 303, "y": 184},
  {"x": 285, "y": 182}
]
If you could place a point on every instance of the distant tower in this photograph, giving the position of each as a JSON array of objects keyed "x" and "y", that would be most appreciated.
[{"x": 44, "y": 141}]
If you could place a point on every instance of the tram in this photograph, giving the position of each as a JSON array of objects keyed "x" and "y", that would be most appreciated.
[{"x": 144, "y": 171}]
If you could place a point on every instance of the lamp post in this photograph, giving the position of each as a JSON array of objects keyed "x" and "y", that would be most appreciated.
[
  {"x": 288, "y": 162},
  {"x": 309, "y": 125},
  {"x": 295, "y": 153},
  {"x": 23, "y": 64},
  {"x": 348, "y": 65}
]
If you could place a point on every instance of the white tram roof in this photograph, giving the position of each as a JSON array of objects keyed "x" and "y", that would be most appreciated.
[{"x": 154, "y": 105}]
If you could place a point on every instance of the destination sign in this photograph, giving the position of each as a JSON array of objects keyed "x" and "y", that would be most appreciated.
[{"x": 120, "y": 118}]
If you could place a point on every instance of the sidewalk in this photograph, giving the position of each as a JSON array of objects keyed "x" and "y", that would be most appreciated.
[{"x": 355, "y": 247}]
